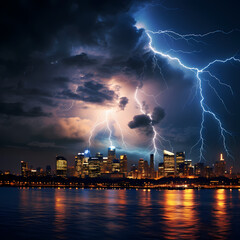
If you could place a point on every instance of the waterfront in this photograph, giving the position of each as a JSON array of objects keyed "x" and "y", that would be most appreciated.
[{"x": 119, "y": 214}]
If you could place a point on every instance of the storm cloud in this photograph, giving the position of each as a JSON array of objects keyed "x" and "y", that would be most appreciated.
[
  {"x": 16, "y": 109},
  {"x": 63, "y": 64},
  {"x": 157, "y": 115},
  {"x": 123, "y": 103},
  {"x": 140, "y": 121}
]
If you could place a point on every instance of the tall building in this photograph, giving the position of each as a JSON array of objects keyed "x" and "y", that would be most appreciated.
[
  {"x": 220, "y": 167},
  {"x": 71, "y": 171},
  {"x": 24, "y": 169},
  {"x": 152, "y": 173},
  {"x": 61, "y": 166},
  {"x": 85, "y": 163},
  {"x": 169, "y": 163},
  {"x": 79, "y": 164},
  {"x": 99, "y": 156},
  {"x": 199, "y": 169},
  {"x": 111, "y": 156},
  {"x": 123, "y": 164},
  {"x": 145, "y": 173},
  {"x": 180, "y": 158},
  {"x": 103, "y": 165},
  {"x": 160, "y": 170},
  {"x": 208, "y": 172},
  {"x": 188, "y": 168},
  {"x": 133, "y": 172},
  {"x": 94, "y": 167},
  {"x": 115, "y": 165},
  {"x": 140, "y": 168},
  {"x": 48, "y": 170}
]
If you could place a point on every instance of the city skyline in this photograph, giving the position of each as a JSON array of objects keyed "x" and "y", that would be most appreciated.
[
  {"x": 96, "y": 165},
  {"x": 157, "y": 161},
  {"x": 171, "y": 84}
]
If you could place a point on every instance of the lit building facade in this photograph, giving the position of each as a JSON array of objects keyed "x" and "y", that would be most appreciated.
[
  {"x": 104, "y": 165},
  {"x": 220, "y": 167},
  {"x": 145, "y": 173},
  {"x": 79, "y": 164},
  {"x": 111, "y": 156},
  {"x": 123, "y": 164},
  {"x": 188, "y": 168},
  {"x": 94, "y": 167},
  {"x": 61, "y": 166},
  {"x": 24, "y": 169},
  {"x": 140, "y": 168},
  {"x": 180, "y": 159},
  {"x": 133, "y": 172},
  {"x": 169, "y": 163},
  {"x": 115, "y": 165},
  {"x": 151, "y": 170},
  {"x": 85, "y": 168},
  {"x": 199, "y": 169},
  {"x": 160, "y": 170}
]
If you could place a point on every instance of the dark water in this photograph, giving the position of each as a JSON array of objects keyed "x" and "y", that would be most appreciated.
[{"x": 119, "y": 214}]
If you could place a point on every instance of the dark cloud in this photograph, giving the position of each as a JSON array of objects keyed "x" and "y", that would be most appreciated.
[
  {"x": 33, "y": 26},
  {"x": 55, "y": 132},
  {"x": 80, "y": 60},
  {"x": 157, "y": 115},
  {"x": 16, "y": 109},
  {"x": 144, "y": 123},
  {"x": 123, "y": 102},
  {"x": 140, "y": 121},
  {"x": 95, "y": 92},
  {"x": 92, "y": 92}
]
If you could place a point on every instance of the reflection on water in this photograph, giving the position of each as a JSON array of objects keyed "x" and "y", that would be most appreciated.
[
  {"x": 119, "y": 214},
  {"x": 180, "y": 216},
  {"x": 144, "y": 202},
  {"x": 60, "y": 213},
  {"x": 221, "y": 223}
]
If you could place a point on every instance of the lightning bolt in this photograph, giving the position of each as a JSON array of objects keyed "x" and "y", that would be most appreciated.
[
  {"x": 198, "y": 72},
  {"x": 106, "y": 122},
  {"x": 191, "y": 36},
  {"x": 96, "y": 125},
  {"x": 109, "y": 129},
  {"x": 154, "y": 139},
  {"x": 156, "y": 136}
]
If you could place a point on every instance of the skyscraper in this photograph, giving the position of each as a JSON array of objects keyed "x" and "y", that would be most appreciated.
[
  {"x": 85, "y": 163},
  {"x": 199, "y": 169},
  {"x": 61, "y": 166},
  {"x": 180, "y": 158},
  {"x": 220, "y": 167},
  {"x": 48, "y": 170},
  {"x": 79, "y": 164},
  {"x": 152, "y": 166},
  {"x": 123, "y": 164},
  {"x": 140, "y": 168},
  {"x": 111, "y": 156},
  {"x": 160, "y": 170},
  {"x": 115, "y": 165},
  {"x": 133, "y": 172},
  {"x": 188, "y": 168},
  {"x": 169, "y": 163},
  {"x": 146, "y": 171},
  {"x": 104, "y": 165},
  {"x": 94, "y": 167},
  {"x": 24, "y": 169}
]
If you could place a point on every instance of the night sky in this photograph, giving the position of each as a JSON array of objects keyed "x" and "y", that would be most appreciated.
[{"x": 67, "y": 66}]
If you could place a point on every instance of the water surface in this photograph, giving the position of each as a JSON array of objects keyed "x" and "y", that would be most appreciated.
[{"x": 119, "y": 214}]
